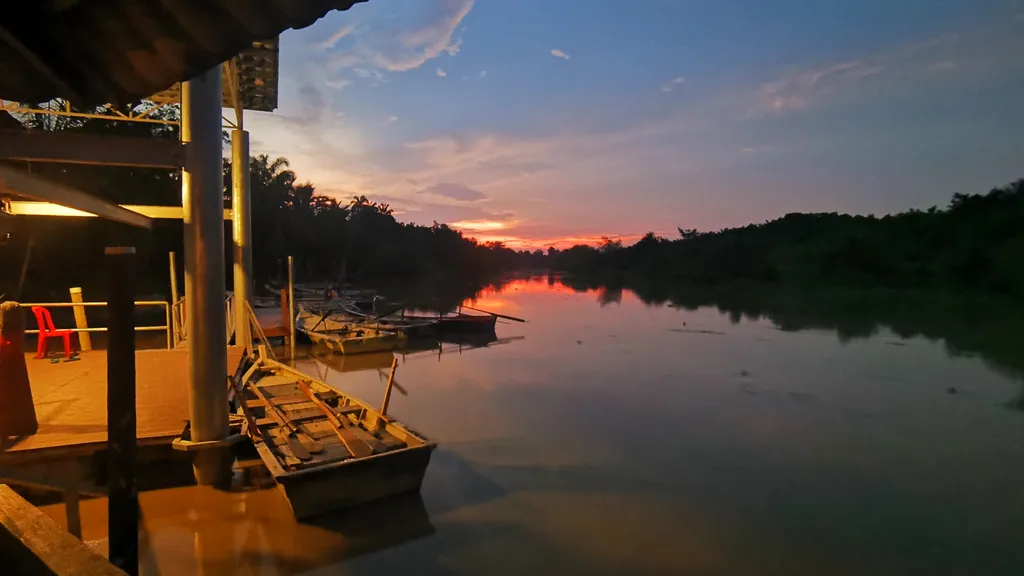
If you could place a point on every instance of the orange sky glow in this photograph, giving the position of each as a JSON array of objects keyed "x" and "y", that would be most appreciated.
[{"x": 561, "y": 242}]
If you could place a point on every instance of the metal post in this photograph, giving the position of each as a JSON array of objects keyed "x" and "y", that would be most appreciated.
[
  {"x": 241, "y": 234},
  {"x": 291, "y": 308},
  {"x": 123, "y": 501},
  {"x": 202, "y": 197},
  {"x": 175, "y": 319},
  {"x": 84, "y": 341}
]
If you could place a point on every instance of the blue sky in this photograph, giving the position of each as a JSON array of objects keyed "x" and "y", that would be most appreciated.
[{"x": 553, "y": 121}]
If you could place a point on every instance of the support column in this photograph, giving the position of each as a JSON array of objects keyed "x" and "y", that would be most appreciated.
[
  {"x": 123, "y": 498},
  {"x": 202, "y": 197},
  {"x": 241, "y": 234}
]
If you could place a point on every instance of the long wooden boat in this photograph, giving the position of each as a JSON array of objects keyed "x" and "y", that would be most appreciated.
[
  {"x": 460, "y": 322},
  {"x": 346, "y": 337},
  {"x": 456, "y": 322},
  {"x": 411, "y": 327},
  {"x": 326, "y": 450}
]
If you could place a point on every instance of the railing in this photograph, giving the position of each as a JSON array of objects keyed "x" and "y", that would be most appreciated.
[
  {"x": 178, "y": 321},
  {"x": 178, "y": 315},
  {"x": 229, "y": 316},
  {"x": 256, "y": 329},
  {"x": 167, "y": 315}
]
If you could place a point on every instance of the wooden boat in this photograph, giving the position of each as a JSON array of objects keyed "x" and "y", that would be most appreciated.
[
  {"x": 326, "y": 450},
  {"x": 461, "y": 322},
  {"x": 346, "y": 337},
  {"x": 411, "y": 327},
  {"x": 456, "y": 322}
]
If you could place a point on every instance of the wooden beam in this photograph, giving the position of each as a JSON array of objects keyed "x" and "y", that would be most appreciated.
[
  {"x": 73, "y": 148},
  {"x": 32, "y": 543},
  {"x": 27, "y": 208},
  {"x": 31, "y": 186}
]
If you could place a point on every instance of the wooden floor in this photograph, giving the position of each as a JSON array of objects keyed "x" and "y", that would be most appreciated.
[{"x": 71, "y": 403}]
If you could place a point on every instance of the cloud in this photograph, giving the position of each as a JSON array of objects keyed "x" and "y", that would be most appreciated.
[
  {"x": 483, "y": 73},
  {"x": 559, "y": 54},
  {"x": 941, "y": 66},
  {"x": 392, "y": 119},
  {"x": 986, "y": 50},
  {"x": 426, "y": 211},
  {"x": 338, "y": 84},
  {"x": 441, "y": 73},
  {"x": 454, "y": 47},
  {"x": 754, "y": 149},
  {"x": 336, "y": 37},
  {"x": 419, "y": 34},
  {"x": 454, "y": 191},
  {"x": 671, "y": 84}
]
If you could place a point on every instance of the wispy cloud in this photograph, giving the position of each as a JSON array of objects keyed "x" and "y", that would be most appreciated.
[
  {"x": 401, "y": 44},
  {"x": 336, "y": 37},
  {"x": 338, "y": 84},
  {"x": 990, "y": 49},
  {"x": 941, "y": 66},
  {"x": 483, "y": 73},
  {"x": 392, "y": 119},
  {"x": 559, "y": 54},
  {"x": 671, "y": 84},
  {"x": 441, "y": 73},
  {"x": 453, "y": 191}
]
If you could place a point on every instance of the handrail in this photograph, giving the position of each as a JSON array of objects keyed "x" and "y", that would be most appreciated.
[
  {"x": 167, "y": 315},
  {"x": 254, "y": 323},
  {"x": 179, "y": 313}
]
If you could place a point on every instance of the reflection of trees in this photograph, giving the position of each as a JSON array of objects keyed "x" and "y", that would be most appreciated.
[
  {"x": 606, "y": 296},
  {"x": 974, "y": 325}
]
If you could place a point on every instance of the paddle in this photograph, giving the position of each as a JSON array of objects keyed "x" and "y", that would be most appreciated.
[
  {"x": 236, "y": 388},
  {"x": 322, "y": 318},
  {"x": 300, "y": 443},
  {"x": 512, "y": 318}
]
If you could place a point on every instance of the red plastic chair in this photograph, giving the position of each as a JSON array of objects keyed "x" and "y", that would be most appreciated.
[{"x": 47, "y": 331}]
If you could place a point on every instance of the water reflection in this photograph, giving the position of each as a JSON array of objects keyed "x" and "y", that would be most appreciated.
[
  {"x": 661, "y": 432},
  {"x": 966, "y": 325}
]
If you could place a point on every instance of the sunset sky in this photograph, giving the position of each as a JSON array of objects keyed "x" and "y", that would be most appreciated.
[{"x": 543, "y": 122}]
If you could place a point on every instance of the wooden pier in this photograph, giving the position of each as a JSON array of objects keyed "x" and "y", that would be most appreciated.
[{"x": 71, "y": 404}]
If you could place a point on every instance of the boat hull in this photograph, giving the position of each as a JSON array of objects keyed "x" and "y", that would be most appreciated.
[
  {"x": 349, "y": 483},
  {"x": 359, "y": 346}
]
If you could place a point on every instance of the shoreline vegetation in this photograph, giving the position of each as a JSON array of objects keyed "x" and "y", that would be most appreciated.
[{"x": 975, "y": 245}]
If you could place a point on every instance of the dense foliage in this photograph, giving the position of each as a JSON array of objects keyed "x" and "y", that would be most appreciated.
[
  {"x": 976, "y": 243},
  {"x": 357, "y": 239}
]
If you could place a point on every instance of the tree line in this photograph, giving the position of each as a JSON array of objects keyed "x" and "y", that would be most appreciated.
[{"x": 976, "y": 243}]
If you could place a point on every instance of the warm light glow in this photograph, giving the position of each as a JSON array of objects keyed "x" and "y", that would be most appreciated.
[
  {"x": 481, "y": 225},
  {"x": 28, "y": 208},
  {"x": 561, "y": 243}
]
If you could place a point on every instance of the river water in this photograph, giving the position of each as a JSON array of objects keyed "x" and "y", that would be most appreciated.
[{"x": 698, "y": 434}]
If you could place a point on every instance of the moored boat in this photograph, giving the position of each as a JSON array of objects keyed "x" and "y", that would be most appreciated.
[
  {"x": 461, "y": 322},
  {"x": 326, "y": 450},
  {"x": 346, "y": 337}
]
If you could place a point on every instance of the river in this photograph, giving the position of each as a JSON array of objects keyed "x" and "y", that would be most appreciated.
[{"x": 609, "y": 435}]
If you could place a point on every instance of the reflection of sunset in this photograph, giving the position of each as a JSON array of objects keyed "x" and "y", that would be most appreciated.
[{"x": 488, "y": 303}]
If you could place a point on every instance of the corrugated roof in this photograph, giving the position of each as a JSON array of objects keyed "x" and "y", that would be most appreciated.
[{"x": 94, "y": 52}]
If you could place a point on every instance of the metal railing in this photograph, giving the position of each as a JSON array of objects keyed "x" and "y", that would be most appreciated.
[
  {"x": 178, "y": 315},
  {"x": 165, "y": 328}
]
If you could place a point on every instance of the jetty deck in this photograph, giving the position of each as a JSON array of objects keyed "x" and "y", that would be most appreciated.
[{"x": 71, "y": 403}]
